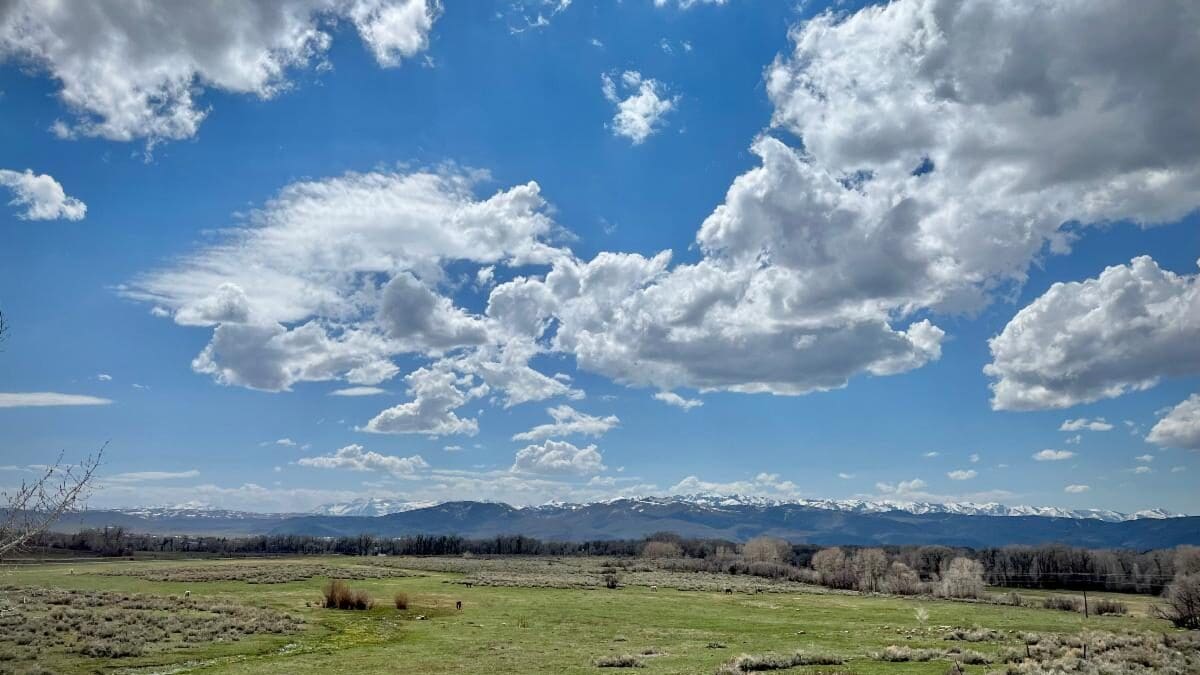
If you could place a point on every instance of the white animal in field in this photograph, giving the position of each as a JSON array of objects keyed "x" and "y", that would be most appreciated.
[
  {"x": 654, "y": 588},
  {"x": 187, "y": 594}
]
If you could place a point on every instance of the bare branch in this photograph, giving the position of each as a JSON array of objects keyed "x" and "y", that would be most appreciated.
[{"x": 37, "y": 504}]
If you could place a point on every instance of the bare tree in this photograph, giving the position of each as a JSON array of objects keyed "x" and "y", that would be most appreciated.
[
  {"x": 870, "y": 564},
  {"x": 834, "y": 567},
  {"x": 766, "y": 549},
  {"x": 1182, "y": 602},
  {"x": 34, "y": 506},
  {"x": 964, "y": 579},
  {"x": 662, "y": 549},
  {"x": 37, "y": 504},
  {"x": 902, "y": 580},
  {"x": 1187, "y": 560}
]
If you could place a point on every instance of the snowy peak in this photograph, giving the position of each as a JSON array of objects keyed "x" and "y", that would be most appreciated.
[
  {"x": 371, "y": 506},
  {"x": 193, "y": 511}
]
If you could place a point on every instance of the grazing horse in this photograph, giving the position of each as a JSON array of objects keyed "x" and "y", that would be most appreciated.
[{"x": 458, "y": 605}]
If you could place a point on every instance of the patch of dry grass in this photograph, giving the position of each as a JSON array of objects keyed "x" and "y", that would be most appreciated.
[
  {"x": 258, "y": 573},
  {"x": 750, "y": 663},
  {"x": 105, "y": 624}
]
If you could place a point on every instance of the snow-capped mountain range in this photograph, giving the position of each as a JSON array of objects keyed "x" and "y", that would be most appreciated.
[
  {"x": 371, "y": 506},
  {"x": 380, "y": 507},
  {"x": 734, "y": 518},
  {"x": 197, "y": 511}
]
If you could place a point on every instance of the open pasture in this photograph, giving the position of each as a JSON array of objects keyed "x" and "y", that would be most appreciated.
[{"x": 532, "y": 615}]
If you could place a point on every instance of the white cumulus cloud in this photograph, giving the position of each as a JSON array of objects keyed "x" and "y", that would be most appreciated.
[
  {"x": 905, "y": 488},
  {"x": 642, "y": 103},
  {"x": 136, "y": 70},
  {"x": 569, "y": 421},
  {"x": 762, "y": 485},
  {"x": 558, "y": 457},
  {"x": 1179, "y": 428},
  {"x": 436, "y": 394},
  {"x": 41, "y": 197},
  {"x": 356, "y": 458},
  {"x": 673, "y": 399},
  {"x": 1098, "y": 338}
]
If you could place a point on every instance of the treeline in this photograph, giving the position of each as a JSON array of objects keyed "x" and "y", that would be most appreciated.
[
  {"x": 116, "y": 541},
  {"x": 1048, "y": 566}
]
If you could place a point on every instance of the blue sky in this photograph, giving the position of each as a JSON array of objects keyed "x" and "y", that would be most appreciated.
[{"x": 457, "y": 209}]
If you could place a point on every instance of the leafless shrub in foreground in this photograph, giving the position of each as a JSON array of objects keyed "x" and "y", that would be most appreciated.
[
  {"x": 1181, "y": 602},
  {"x": 34, "y": 506}
]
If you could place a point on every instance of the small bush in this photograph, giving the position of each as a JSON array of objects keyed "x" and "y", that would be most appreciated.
[
  {"x": 339, "y": 596},
  {"x": 1063, "y": 603},
  {"x": 1013, "y": 598},
  {"x": 611, "y": 580},
  {"x": 619, "y": 661},
  {"x": 362, "y": 600},
  {"x": 401, "y": 600},
  {"x": 971, "y": 658},
  {"x": 1105, "y": 606}
]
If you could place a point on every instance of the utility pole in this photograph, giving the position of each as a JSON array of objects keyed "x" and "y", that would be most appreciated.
[{"x": 1085, "y": 606}]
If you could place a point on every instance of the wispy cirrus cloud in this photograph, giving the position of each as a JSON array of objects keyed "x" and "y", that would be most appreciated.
[{"x": 38, "y": 399}]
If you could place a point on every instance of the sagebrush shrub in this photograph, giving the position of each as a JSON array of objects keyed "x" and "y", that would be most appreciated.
[
  {"x": 620, "y": 661},
  {"x": 749, "y": 663},
  {"x": 1064, "y": 603},
  {"x": 902, "y": 654}
]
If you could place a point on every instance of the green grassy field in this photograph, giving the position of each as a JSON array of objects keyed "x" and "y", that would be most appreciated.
[{"x": 512, "y": 628}]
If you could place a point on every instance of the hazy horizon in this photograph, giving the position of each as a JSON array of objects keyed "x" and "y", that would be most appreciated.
[{"x": 280, "y": 257}]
